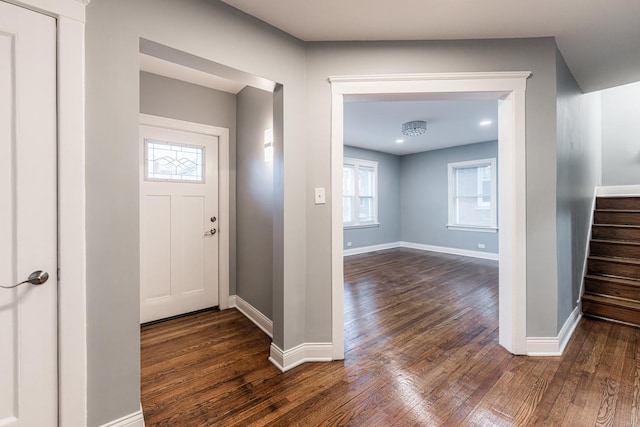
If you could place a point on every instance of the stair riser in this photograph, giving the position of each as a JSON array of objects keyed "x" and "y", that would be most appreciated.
[
  {"x": 604, "y": 287},
  {"x": 625, "y": 203},
  {"x": 613, "y": 269},
  {"x": 613, "y": 233},
  {"x": 614, "y": 250},
  {"x": 624, "y": 218},
  {"x": 621, "y": 314}
]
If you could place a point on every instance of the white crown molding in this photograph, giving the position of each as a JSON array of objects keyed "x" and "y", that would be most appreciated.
[{"x": 429, "y": 76}]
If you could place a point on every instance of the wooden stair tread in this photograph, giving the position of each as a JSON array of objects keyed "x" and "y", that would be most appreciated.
[
  {"x": 620, "y": 280},
  {"x": 617, "y": 225},
  {"x": 616, "y": 242},
  {"x": 612, "y": 301},
  {"x": 612, "y": 282},
  {"x": 616, "y": 260}
]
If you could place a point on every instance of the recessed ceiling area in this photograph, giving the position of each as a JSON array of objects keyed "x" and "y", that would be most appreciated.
[
  {"x": 165, "y": 68},
  {"x": 376, "y": 125},
  {"x": 598, "y": 39}
]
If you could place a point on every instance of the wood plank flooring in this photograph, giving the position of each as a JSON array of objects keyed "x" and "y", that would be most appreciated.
[{"x": 421, "y": 349}]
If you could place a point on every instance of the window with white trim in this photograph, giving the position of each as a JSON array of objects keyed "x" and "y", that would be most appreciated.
[
  {"x": 472, "y": 195},
  {"x": 360, "y": 192}
]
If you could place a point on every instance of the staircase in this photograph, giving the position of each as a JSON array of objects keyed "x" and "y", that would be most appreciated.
[{"x": 612, "y": 282}]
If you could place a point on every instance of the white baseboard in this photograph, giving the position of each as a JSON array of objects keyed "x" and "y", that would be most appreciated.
[
  {"x": 588, "y": 245},
  {"x": 451, "y": 251},
  {"x": 554, "y": 346},
  {"x": 618, "y": 190},
  {"x": 373, "y": 248},
  {"x": 420, "y": 246},
  {"x": 232, "y": 301},
  {"x": 253, "y": 314},
  {"x": 132, "y": 420},
  {"x": 306, "y": 352}
]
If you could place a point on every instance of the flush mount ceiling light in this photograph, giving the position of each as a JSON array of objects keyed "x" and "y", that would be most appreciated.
[
  {"x": 399, "y": 141},
  {"x": 414, "y": 128},
  {"x": 485, "y": 122}
]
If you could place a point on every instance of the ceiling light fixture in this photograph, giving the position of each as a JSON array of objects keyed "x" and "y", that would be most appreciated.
[
  {"x": 399, "y": 141},
  {"x": 485, "y": 122},
  {"x": 414, "y": 128}
]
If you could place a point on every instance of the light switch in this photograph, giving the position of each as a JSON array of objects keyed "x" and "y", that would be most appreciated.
[{"x": 319, "y": 196}]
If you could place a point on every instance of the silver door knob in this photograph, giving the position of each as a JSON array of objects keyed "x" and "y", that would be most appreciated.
[
  {"x": 35, "y": 278},
  {"x": 210, "y": 232}
]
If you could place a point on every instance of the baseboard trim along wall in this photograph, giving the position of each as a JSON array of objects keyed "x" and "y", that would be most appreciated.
[
  {"x": 618, "y": 190},
  {"x": 253, "y": 314},
  {"x": 419, "y": 246},
  {"x": 306, "y": 352},
  {"x": 588, "y": 245},
  {"x": 554, "y": 346},
  {"x": 373, "y": 248},
  {"x": 132, "y": 420}
]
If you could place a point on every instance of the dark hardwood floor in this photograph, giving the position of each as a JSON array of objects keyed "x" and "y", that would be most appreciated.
[{"x": 421, "y": 349}]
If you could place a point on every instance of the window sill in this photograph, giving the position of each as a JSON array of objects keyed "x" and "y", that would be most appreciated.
[
  {"x": 472, "y": 228},
  {"x": 372, "y": 225}
]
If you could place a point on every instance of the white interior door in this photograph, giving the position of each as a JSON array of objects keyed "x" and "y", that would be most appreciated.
[
  {"x": 178, "y": 222},
  {"x": 28, "y": 225}
]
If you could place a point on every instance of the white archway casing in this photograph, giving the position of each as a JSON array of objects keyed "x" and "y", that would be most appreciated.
[{"x": 509, "y": 89}]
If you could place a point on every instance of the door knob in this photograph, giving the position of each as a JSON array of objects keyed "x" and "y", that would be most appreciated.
[
  {"x": 210, "y": 232},
  {"x": 35, "y": 278}
]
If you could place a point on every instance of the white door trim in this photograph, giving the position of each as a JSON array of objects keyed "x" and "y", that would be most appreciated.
[
  {"x": 72, "y": 316},
  {"x": 223, "y": 193},
  {"x": 509, "y": 88}
]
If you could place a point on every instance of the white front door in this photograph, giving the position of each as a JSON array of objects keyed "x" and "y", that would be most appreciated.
[
  {"x": 28, "y": 225},
  {"x": 178, "y": 222}
]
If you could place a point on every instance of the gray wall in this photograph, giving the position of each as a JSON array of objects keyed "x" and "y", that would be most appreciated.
[
  {"x": 210, "y": 30},
  {"x": 424, "y": 198},
  {"x": 255, "y": 201},
  {"x": 388, "y": 201},
  {"x": 578, "y": 171},
  {"x": 621, "y": 135},
  {"x": 165, "y": 97},
  {"x": 358, "y": 58},
  {"x": 302, "y": 246}
]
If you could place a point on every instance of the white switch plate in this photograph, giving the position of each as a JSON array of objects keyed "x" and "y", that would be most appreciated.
[
  {"x": 481, "y": 245},
  {"x": 319, "y": 196}
]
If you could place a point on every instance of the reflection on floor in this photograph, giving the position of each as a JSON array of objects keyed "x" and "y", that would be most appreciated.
[{"x": 421, "y": 343}]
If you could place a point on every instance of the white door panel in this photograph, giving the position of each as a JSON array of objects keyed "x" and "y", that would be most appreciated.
[
  {"x": 157, "y": 222},
  {"x": 193, "y": 262},
  {"x": 178, "y": 256},
  {"x": 28, "y": 239}
]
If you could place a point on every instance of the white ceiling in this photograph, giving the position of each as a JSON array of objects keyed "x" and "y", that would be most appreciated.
[
  {"x": 376, "y": 125},
  {"x": 600, "y": 40}
]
